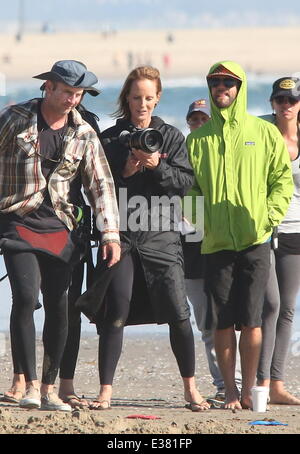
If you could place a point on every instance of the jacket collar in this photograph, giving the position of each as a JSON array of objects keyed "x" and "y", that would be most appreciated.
[{"x": 28, "y": 110}]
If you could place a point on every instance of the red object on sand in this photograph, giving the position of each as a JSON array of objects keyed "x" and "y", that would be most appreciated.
[{"x": 142, "y": 417}]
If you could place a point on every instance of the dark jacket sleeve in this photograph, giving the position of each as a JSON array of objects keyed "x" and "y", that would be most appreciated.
[
  {"x": 116, "y": 154},
  {"x": 174, "y": 174}
]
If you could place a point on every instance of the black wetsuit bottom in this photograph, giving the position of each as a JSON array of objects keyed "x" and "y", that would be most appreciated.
[
  {"x": 111, "y": 330},
  {"x": 29, "y": 273}
]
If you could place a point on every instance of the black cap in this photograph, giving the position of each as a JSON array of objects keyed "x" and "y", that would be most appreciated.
[{"x": 286, "y": 86}]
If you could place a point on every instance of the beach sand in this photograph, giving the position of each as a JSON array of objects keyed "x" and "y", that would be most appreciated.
[
  {"x": 186, "y": 53},
  {"x": 147, "y": 382}
]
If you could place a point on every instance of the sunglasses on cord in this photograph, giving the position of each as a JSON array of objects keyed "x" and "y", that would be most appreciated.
[
  {"x": 283, "y": 99},
  {"x": 228, "y": 82}
]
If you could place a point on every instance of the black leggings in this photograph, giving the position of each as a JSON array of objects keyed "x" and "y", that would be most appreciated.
[
  {"x": 28, "y": 273},
  {"x": 69, "y": 359},
  {"x": 111, "y": 330},
  {"x": 280, "y": 302}
]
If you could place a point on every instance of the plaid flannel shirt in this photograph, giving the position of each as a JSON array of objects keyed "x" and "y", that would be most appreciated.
[{"x": 23, "y": 186}]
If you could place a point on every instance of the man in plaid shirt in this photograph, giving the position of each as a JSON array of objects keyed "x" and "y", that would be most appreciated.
[{"x": 46, "y": 152}]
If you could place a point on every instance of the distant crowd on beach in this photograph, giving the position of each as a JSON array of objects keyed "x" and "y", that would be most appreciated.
[{"x": 212, "y": 225}]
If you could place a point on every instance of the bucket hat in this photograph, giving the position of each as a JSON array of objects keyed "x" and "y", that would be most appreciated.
[{"x": 72, "y": 73}]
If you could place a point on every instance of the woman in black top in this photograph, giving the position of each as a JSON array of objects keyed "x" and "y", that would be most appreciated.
[{"x": 148, "y": 284}]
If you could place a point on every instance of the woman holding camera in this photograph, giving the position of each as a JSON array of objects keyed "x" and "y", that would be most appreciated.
[{"x": 148, "y": 285}]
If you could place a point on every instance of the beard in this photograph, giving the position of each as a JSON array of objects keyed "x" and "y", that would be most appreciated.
[{"x": 223, "y": 101}]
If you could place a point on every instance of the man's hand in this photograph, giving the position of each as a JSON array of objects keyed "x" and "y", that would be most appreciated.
[{"x": 112, "y": 253}]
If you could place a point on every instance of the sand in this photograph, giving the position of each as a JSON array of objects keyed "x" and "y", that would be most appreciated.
[
  {"x": 188, "y": 53},
  {"x": 146, "y": 383}
]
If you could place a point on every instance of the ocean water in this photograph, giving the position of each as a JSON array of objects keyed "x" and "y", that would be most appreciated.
[{"x": 176, "y": 97}]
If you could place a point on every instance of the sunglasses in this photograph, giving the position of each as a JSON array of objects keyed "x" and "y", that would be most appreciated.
[
  {"x": 228, "y": 82},
  {"x": 284, "y": 99}
]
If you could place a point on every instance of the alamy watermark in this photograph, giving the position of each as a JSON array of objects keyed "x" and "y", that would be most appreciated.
[{"x": 160, "y": 214}]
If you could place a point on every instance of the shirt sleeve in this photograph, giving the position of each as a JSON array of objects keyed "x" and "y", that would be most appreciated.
[{"x": 100, "y": 190}]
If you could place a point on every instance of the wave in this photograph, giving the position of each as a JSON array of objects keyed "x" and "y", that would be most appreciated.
[{"x": 253, "y": 78}]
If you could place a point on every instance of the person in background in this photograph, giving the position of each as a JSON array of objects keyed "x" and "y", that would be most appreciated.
[
  {"x": 84, "y": 269},
  {"x": 198, "y": 114},
  {"x": 284, "y": 281},
  {"x": 147, "y": 285},
  {"x": 194, "y": 266},
  {"x": 44, "y": 145},
  {"x": 231, "y": 153}
]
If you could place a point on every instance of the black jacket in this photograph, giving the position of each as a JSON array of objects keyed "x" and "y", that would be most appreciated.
[
  {"x": 159, "y": 291},
  {"x": 173, "y": 176}
]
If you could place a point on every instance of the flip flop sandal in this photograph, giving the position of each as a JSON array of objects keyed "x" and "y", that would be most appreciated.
[
  {"x": 11, "y": 399},
  {"x": 194, "y": 406},
  {"x": 215, "y": 403},
  {"x": 91, "y": 407},
  {"x": 75, "y": 401}
]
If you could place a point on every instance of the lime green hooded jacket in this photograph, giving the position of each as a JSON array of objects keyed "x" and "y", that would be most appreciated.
[{"x": 242, "y": 168}]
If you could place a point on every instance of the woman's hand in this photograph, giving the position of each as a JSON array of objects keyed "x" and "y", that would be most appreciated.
[
  {"x": 148, "y": 160},
  {"x": 132, "y": 166}
]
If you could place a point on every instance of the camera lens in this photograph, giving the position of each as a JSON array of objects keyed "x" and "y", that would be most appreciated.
[
  {"x": 152, "y": 140},
  {"x": 149, "y": 140}
]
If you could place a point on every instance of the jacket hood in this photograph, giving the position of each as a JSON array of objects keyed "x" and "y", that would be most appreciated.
[{"x": 238, "y": 108}]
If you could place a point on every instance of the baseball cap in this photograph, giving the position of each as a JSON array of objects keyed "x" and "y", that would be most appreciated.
[
  {"x": 222, "y": 71},
  {"x": 201, "y": 105},
  {"x": 286, "y": 86}
]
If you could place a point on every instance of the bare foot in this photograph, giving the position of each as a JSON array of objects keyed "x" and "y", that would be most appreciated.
[
  {"x": 246, "y": 402},
  {"x": 232, "y": 401},
  {"x": 283, "y": 397},
  {"x": 195, "y": 401}
]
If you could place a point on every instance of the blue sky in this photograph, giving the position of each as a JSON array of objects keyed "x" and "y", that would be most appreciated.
[{"x": 117, "y": 14}]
